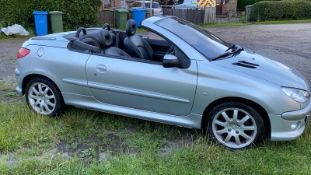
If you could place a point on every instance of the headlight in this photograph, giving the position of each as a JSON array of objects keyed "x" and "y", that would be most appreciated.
[{"x": 298, "y": 95}]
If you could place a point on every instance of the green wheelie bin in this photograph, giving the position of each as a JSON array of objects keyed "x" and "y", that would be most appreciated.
[
  {"x": 121, "y": 18},
  {"x": 56, "y": 18}
]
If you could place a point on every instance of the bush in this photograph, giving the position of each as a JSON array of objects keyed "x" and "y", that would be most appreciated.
[
  {"x": 76, "y": 12},
  {"x": 279, "y": 10},
  {"x": 243, "y": 3}
]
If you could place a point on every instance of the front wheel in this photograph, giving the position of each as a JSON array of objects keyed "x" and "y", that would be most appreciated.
[
  {"x": 235, "y": 125},
  {"x": 43, "y": 97}
]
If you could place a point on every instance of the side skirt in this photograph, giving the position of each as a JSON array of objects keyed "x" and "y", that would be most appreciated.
[{"x": 88, "y": 102}]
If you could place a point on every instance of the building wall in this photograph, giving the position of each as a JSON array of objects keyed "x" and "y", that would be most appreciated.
[
  {"x": 231, "y": 8},
  {"x": 227, "y": 7},
  {"x": 111, "y": 3}
]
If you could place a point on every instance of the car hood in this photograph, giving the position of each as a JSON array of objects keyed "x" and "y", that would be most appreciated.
[{"x": 255, "y": 65}]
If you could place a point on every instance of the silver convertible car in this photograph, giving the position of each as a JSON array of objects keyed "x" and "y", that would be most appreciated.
[{"x": 177, "y": 73}]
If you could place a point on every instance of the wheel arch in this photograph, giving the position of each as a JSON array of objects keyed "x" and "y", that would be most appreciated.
[
  {"x": 32, "y": 76},
  {"x": 263, "y": 113}
]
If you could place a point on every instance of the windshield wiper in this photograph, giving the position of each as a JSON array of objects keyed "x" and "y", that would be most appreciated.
[{"x": 231, "y": 51}]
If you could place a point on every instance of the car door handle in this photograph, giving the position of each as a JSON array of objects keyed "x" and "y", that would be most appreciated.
[{"x": 101, "y": 68}]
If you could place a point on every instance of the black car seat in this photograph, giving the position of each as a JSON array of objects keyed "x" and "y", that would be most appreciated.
[
  {"x": 91, "y": 40},
  {"x": 135, "y": 45},
  {"x": 107, "y": 40},
  {"x": 104, "y": 40}
]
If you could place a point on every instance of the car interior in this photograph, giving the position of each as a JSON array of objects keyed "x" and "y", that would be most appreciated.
[{"x": 126, "y": 44}]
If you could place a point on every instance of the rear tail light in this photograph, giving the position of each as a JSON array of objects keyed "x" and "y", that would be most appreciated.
[{"x": 22, "y": 52}]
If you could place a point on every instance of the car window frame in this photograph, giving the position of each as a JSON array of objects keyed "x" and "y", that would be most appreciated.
[{"x": 172, "y": 43}]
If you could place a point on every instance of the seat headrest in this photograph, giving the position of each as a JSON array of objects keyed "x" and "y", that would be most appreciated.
[
  {"x": 130, "y": 27},
  {"x": 105, "y": 38}
]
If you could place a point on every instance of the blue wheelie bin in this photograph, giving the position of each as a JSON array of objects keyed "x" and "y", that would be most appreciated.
[
  {"x": 41, "y": 22},
  {"x": 138, "y": 14}
]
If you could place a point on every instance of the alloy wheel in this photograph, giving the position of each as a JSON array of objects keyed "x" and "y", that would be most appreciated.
[
  {"x": 41, "y": 98},
  {"x": 234, "y": 127}
]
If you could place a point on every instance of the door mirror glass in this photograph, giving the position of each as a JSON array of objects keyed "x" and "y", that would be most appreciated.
[{"x": 170, "y": 60}]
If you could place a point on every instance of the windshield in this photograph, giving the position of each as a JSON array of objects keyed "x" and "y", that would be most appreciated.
[{"x": 203, "y": 41}]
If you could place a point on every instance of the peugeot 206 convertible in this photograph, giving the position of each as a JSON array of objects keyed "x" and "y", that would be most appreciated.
[{"x": 177, "y": 73}]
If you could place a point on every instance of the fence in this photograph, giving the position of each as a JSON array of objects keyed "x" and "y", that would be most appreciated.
[
  {"x": 196, "y": 16},
  {"x": 107, "y": 16},
  {"x": 210, "y": 15}
]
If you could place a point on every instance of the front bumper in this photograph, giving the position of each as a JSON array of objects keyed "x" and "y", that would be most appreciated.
[
  {"x": 289, "y": 125},
  {"x": 286, "y": 130},
  {"x": 298, "y": 115}
]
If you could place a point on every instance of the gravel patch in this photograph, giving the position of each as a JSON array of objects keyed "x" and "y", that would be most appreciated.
[{"x": 8, "y": 51}]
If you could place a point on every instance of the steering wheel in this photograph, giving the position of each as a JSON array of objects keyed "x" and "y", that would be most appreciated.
[
  {"x": 106, "y": 26},
  {"x": 79, "y": 31}
]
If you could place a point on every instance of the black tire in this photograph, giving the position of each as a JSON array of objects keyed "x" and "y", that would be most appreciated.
[
  {"x": 235, "y": 128},
  {"x": 59, "y": 103}
]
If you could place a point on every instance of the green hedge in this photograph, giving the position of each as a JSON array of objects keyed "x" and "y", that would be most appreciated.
[
  {"x": 76, "y": 12},
  {"x": 243, "y": 3},
  {"x": 286, "y": 9}
]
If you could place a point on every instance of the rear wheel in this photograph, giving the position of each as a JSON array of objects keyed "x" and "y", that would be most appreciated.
[
  {"x": 43, "y": 97},
  {"x": 235, "y": 125}
]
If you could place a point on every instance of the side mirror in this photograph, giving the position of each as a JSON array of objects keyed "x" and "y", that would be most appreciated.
[{"x": 170, "y": 60}]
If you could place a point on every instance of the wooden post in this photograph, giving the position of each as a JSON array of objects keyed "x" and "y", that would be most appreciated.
[
  {"x": 151, "y": 7},
  {"x": 209, "y": 15}
]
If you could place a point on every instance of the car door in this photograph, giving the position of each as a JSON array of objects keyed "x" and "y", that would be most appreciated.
[
  {"x": 67, "y": 68},
  {"x": 142, "y": 85}
]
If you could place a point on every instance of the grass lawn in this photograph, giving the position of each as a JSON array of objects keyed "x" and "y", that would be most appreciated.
[
  {"x": 4, "y": 37},
  {"x": 87, "y": 142}
]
